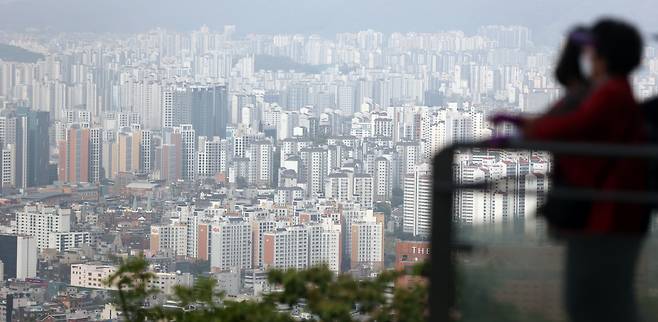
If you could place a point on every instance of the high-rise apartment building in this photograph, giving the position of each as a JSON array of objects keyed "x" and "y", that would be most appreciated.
[
  {"x": 301, "y": 246},
  {"x": 27, "y": 131},
  {"x": 363, "y": 190},
  {"x": 169, "y": 239},
  {"x": 147, "y": 101},
  {"x": 286, "y": 248},
  {"x": 146, "y": 151},
  {"x": 176, "y": 107},
  {"x": 382, "y": 178},
  {"x": 39, "y": 220},
  {"x": 367, "y": 243},
  {"x": 128, "y": 150},
  {"x": 408, "y": 155},
  {"x": 230, "y": 244},
  {"x": 211, "y": 156},
  {"x": 18, "y": 254},
  {"x": 210, "y": 110},
  {"x": 26, "y": 257},
  {"x": 169, "y": 156},
  {"x": 346, "y": 99},
  {"x": 260, "y": 154},
  {"x": 96, "y": 172},
  {"x": 297, "y": 96},
  {"x": 260, "y": 226},
  {"x": 188, "y": 140},
  {"x": 81, "y": 155},
  {"x": 417, "y": 202},
  {"x": 339, "y": 186},
  {"x": 188, "y": 237},
  {"x": 324, "y": 246},
  {"x": 314, "y": 170},
  {"x": 74, "y": 155},
  {"x": 8, "y": 167},
  {"x": 94, "y": 276},
  {"x": 66, "y": 241}
]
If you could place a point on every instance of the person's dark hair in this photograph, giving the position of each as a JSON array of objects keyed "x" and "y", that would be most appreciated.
[
  {"x": 619, "y": 44},
  {"x": 568, "y": 65}
]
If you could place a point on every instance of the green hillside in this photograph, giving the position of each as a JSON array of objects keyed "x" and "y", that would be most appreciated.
[{"x": 18, "y": 54}]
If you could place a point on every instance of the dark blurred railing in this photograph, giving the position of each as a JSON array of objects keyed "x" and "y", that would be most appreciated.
[{"x": 443, "y": 244}]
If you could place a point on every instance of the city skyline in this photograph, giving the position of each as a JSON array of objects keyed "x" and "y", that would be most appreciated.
[{"x": 225, "y": 153}]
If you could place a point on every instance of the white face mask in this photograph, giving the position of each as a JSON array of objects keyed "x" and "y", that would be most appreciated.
[{"x": 586, "y": 66}]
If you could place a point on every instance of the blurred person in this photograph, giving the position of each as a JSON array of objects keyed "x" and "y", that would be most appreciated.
[
  {"x": 569, "y": 74},
  {"x": 603, "y": 238}
]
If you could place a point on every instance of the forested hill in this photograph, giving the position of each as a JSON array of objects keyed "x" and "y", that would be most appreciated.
[{"x": 18, "y": 54}]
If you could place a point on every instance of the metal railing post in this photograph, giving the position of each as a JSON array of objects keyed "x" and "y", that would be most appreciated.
[{"x": 442, "y": 276}]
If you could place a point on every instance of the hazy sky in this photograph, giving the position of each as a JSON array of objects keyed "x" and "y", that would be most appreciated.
[{"x": 546, "y": 18}]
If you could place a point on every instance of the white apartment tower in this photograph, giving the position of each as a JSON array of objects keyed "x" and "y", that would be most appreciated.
[
  {"x": 150, "y": 108},
  {"x": 339, "y": 186},
  {"x": 211, "y": 157},
  {"x": 382, "y": 179},
  {"x": 315, "y": 170},
  {"x": 324, "y": 245},
  {"x": 260, "y": 163},
  {"x": 286, "y": 248},
  {"x": 26, "y": 257},
  {"x": 230, "y": 244},
  {"x": 8, "y": 174},
  {"x": 176, "y": 107},
  {"x": 417, "y": 212},
  {"x": 63, "y": 242},
  {"x": 170, "y": 239},
  {"x": 408, "y": 155},
  {"x": 367, "y": 243},
  {"x": 40, "y": 220},
  {"x": 363, "y": 190}
]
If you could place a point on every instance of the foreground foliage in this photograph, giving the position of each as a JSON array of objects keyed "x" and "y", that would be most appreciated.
[
  {"x": 316, "y": 291},
  {"x": 323, "y": 296}
]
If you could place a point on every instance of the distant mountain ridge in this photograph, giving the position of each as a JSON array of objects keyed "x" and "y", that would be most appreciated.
[{"x": 18, "y": 54}]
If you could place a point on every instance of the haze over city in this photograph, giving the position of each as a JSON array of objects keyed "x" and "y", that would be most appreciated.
[{"x": 317, "y": 16}]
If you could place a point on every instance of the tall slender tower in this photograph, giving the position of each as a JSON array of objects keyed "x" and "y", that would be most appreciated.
[
  {"x": 417, "y": 216},
  {"x": 188, "y": 138}
]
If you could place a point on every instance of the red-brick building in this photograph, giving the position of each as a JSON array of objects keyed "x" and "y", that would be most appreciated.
[{"x": 408, "y": 254}]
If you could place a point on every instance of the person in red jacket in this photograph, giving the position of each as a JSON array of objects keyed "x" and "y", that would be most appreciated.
[
  {"x": 603, "y": 238},
  {"x": 604, "y": 243}
]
